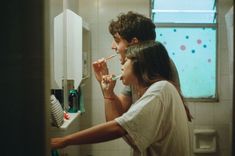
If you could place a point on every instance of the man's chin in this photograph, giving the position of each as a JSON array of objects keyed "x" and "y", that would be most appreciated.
[{"x": 122, "y": 62}]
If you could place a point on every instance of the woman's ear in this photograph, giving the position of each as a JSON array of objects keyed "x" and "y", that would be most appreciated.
[{"x": 134, "y": 40}]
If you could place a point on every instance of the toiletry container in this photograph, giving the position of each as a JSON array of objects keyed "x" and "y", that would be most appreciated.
[{"x": 73, "y": 101}]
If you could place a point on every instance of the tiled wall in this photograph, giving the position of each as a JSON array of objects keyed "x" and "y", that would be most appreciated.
[{"x": 216, "y": 115}]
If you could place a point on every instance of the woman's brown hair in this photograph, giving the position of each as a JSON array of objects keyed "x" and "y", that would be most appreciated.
[{"x": 151, "y": 63}]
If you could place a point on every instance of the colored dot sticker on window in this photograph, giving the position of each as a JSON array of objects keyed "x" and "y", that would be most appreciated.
[
  {"x": 199, "y": 41},
  {"x": 182, "y": 47}
]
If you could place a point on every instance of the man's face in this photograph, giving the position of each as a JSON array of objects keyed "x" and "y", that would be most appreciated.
[{"x": 120, "y": 46}]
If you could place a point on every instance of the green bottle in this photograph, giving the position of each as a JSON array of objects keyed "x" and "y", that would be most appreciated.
[{"x": 73, "y": 101}]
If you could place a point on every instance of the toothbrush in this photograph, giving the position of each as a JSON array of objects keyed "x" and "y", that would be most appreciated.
[
  {"x": 105, "y": 59},
  {"x": 116, "y": 77},
  {"x": 109, "y": 57}
]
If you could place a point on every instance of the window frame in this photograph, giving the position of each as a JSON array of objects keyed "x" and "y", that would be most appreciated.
[{"x": 196, "y": 25}]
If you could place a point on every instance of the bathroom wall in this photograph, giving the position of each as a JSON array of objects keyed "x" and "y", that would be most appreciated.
[
  {"x": 218, "y": 115},
  {"x": 214, "y": 115}
]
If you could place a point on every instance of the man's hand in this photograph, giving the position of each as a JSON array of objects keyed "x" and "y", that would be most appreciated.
[{"x": 100, "y": 69}]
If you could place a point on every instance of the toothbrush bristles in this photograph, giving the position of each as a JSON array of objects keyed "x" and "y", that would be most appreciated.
[{"x": 116, "y": 77}]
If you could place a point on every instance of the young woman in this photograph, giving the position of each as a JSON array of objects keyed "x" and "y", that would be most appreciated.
[{"x": 156, "y": 124}]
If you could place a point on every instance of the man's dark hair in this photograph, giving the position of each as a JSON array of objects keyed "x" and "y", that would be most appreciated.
[{"x": 132, "y": 25}]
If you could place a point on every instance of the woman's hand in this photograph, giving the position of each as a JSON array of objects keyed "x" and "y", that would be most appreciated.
[
  {"x": 108, "y": 85},
  {"x": 100, "y": 69},
  {"x": 57, "y": 143}
]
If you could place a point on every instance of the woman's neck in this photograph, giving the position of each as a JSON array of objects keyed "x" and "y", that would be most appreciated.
[{"x": 141, "y": 90}]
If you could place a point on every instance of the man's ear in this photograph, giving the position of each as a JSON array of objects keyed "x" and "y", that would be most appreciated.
[{"x": 134, "y": 40}]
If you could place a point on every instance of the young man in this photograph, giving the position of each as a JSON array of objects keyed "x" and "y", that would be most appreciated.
[{"x": 128, "y": 29}]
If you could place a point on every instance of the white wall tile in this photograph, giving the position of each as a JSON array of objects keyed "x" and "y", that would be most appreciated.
[
  {"x": 192, "y": 108},
  {"x": 223, "y": 112},
  {"x": 223, "y": 60},
  {"x": 225, "y": 88},
  {"x": 223, "y": 135},
  {"x": 125, "y": 152},
  {"x": 110, "y": 145},
  {"x": 204, "y": 113}
]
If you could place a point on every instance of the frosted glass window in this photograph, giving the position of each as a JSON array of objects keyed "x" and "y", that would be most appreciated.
[
  {"x": 188, "y": 29},
  {"x": 184, "y": 11},
  {"x": 194, "y": 52}
]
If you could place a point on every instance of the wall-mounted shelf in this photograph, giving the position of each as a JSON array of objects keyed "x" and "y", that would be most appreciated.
[{"x": 68, "y": 124}]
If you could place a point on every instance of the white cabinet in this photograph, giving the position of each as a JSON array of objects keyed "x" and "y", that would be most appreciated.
[
  {"x": 68, "y": 55},
  {"x": 71, "y": 54}
]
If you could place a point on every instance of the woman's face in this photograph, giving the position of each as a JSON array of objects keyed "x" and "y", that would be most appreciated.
[
  {"x": 120, "y": 45},
  {"x": 128, "y": 77}
]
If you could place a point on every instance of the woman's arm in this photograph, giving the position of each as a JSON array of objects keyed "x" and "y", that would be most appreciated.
[
  {"x": 100, "y": 133},
  {"x": 116, "y": 106}
]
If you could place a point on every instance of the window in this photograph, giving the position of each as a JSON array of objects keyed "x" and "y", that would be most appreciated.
[{"x": 188, "y": 30}]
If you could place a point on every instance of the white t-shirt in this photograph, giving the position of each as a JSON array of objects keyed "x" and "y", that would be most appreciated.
[{"x": 157, "y": 123}]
